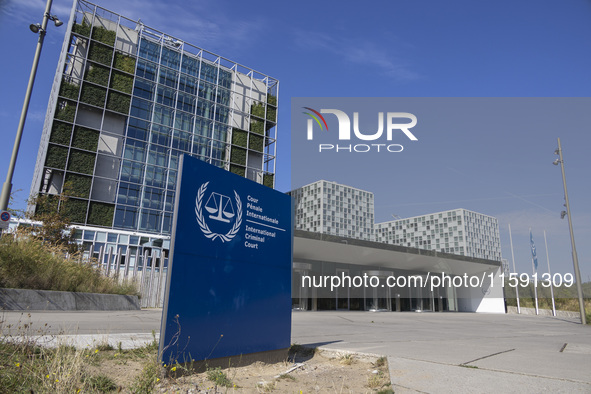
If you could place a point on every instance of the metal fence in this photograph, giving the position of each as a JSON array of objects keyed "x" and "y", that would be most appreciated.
[{"x": 148, "y": 271}]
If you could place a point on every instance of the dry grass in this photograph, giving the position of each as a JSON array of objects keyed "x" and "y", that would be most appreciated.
[
  {"x": 28, "y": 263},
  {"x": 27, "y": 367}
]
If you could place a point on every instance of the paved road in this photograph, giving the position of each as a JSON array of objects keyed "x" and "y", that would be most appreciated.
[{"x": 427, "y": 352}]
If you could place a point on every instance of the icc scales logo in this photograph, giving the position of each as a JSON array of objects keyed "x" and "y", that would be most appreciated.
[{"x": 220, "y": 214}]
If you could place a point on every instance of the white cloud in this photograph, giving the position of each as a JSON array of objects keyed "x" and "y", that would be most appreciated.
[
  {"x": 359, "y": 51},
  {"x": 199, "y": 23}
]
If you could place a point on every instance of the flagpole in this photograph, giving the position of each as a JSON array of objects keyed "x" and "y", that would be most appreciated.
[
  {"x": 550, "y": 274},
  {"x": 533, "y": 267},
  {"x": 513, "y": 257},
  {"x": 535, "y": 286}
]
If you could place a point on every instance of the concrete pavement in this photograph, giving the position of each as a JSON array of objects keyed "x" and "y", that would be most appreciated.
[
  {"x": 461, "y": 352},
  {"x": 427, "y": 352}
]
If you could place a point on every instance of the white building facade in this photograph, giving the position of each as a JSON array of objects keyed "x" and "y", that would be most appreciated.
[
  {"x": 331, "y": 208},
  {"x": 458, "y": 231}
]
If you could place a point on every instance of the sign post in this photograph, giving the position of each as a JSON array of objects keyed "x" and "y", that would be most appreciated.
[
  {"x": 4, "y": 220},
  {"x": 228, "y": 290}
]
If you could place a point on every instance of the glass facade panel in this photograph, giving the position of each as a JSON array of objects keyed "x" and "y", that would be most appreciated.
[
  {"x": 190, "y": 65},
  {"x": 170, "y": 58},
  {"x": 155, "y": 176},
  {"x": 149, "y": 50},
  {"x": 150, "y": 220}
]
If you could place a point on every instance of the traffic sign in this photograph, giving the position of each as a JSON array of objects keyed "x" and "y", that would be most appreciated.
[{"x": 4, "y": 220}]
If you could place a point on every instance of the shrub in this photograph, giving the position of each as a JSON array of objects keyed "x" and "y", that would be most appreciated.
[
  {"x": 101, "y": 214},
  {"x": 122, "y": 82},
  {"x": 118, "y": 102},
  {"x": 239, "y": 137},
  {"x": 82, "y": 162},
  {"x": 82, "y": 29},
  {"x": 218, "y": 377},
  {"x": 268, "y": 180},
  {"x": 77, "y": 185},
  {"x": 101, "y": 383},
  {"x": 45, "y": 204},
  {"x": 238, "y": 170},
  {"x": 85, "y": 138},
  {"x": 258, "y": 109},
  {"x": 28, "y": 263},
  {"x": 97, "y": 74},
  {"x": 257, "y": 126},
  {"x": 65, "y": 110},
  {"x": 146, "y": 381},
  {"x": 56, "y": 157},
  {"x": 238, "y": 156},
  {"x": 100, "y": 53},
  {"x": 103, "y": 35},
  {"x": 124, "y": 62},
  {"x": 255, "y": 142},
  {"x": 61, "y": 133},
  {"x": 271, "y": 114},
  {"x": 93, "y": 95},
  {"x": 271, "y": 99},
  {"x": 74, "y": 210},
  {"x": 69, "y": 90}
]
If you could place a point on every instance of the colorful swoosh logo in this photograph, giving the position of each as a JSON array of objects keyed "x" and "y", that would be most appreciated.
[{"x": 316, "y": 117}]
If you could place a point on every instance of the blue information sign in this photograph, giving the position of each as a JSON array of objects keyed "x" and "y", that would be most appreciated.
[{"x": 229, "y": 275}]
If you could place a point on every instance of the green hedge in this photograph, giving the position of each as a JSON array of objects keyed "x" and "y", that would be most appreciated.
[
  {"x": 75, "y": 210},
  {"x": 93, "y": 95},
  {"x": 85, "y": 138},
  {"x": 124, "y": 63},
  {"x": 77, "y": 185},
  {"x": 103, "y": 35},
  {"x": 61, "y": 133},
  {"x": 239, "y": 137},
  {"x": 118, "y": 102},
  {"x": 97, "y": 74},
  {"x": 258, "y": 109},
  {"x": 271, "y": 114},
  {"x": 101, "y": 214},
  {"x": 100, "y": 53},
  {"x": 255, "y": 142},
  {"x": 238, "y": 170},
  {"x": 238, "y": 156},
  {"x": 65, "y": 110},
  {"x": 69, "y": 90},
  {"x": 82, "y": 29},
  {"x": 82, "y": 162},
  {"x": 122, "y": 82},
  {"x": 56, "y": 157},
  {"x": 268, "y": 180},
  {"x": 256, "y": 126},
  {"x": 46, "y": 204},
  {"x": 272, "y": 100}
]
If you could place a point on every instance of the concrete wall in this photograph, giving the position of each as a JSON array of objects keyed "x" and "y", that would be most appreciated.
[
  {"x": 543, "y": 312},
  {"x": 487, "y": 298},
  {"x": 42, "y": 300}
]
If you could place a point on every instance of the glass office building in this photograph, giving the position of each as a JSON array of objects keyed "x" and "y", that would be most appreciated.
[{"x": 127, "y": 101}]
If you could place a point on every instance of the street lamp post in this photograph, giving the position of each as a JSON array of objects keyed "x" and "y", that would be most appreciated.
[
  {"x": 40, "y": 29},
  {"x": 572, "y": 238}
]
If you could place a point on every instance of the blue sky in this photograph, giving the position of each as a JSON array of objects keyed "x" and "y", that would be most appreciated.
[{"x": 381, "y": 49}]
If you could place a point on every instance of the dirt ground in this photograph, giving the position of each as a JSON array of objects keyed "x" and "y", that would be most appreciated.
[{"x": 310, "y": 372}]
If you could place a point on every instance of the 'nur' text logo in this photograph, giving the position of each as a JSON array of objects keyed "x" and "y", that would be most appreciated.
[
  {"x": 391, "y": 121},
  {"x": 221, "y": 210}
]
